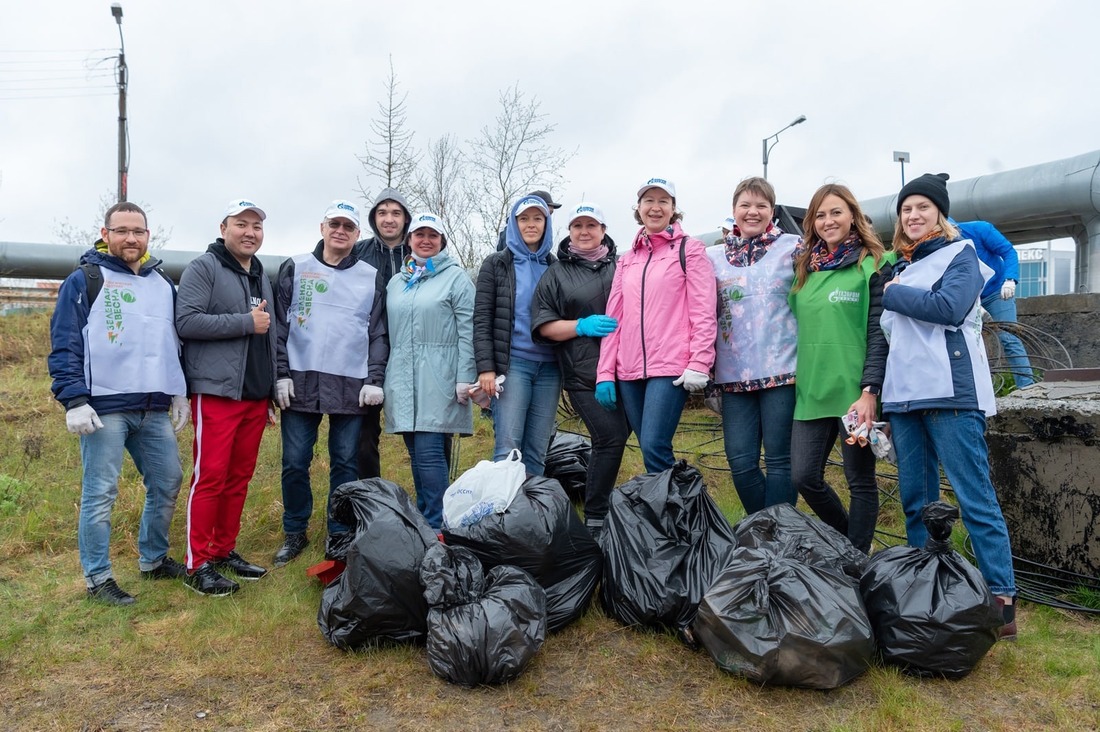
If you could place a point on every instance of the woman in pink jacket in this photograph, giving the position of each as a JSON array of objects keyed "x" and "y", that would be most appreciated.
[{"x": 663, "y": 297}]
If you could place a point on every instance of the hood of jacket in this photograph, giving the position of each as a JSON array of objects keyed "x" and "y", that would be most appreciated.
[
  {"x": 99, "y": 255},
  {"x": 439, "y": 262},
  {"x": 669, "y": 234},
  {"x": 389, "y": 194},
  {"x": 514, "y": 241},
  {"x": 219, "y": 250},
  {"x": 565, "y": 252}
]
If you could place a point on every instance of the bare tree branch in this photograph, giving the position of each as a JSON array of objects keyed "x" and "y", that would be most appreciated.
[
  {"x": 66, "y": 232},
  {"x": 389, "y": 160}
]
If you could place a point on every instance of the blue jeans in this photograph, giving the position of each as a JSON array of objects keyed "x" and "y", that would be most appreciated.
[
  {"x": 429, "y": 471},
  {"x": 299, "y": 438},
  {"x": 525, "y": 412},
  {"x": 751, "y": 419},
  {"x": 811, "y": 443},
  {"x": 149, "y": 439},
  {"x": 1004, "y": 311},
  {"x": 653, "y": 407},
  {"x": 955, "y": 439},
  {"x": 608, "y": 431}
]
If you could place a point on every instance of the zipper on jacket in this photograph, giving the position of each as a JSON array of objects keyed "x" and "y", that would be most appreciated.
[{"x": 645, "y": 270}]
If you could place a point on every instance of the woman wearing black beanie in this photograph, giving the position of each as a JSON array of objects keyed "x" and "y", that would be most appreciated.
[{"x": 938, "y": 391}]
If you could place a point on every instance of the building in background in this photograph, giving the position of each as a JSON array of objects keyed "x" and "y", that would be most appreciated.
[{"x": 1046, "y": 268}]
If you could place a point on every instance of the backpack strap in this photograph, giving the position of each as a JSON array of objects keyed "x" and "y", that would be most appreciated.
[
  {"x": 94, "y": 278},
  {"x": 683, "y": 255}
]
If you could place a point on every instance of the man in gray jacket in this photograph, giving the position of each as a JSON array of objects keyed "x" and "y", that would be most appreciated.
[
  {"x": 330, "y": 321},
  {"x": 229, "y": 361},
  {"x": 386, "y": 252}
]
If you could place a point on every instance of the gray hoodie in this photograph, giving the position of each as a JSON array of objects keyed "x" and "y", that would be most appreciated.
[{"x": 374, "y": 251}]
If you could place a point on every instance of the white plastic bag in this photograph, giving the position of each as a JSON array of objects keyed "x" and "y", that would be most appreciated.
[{"x": 486, "y": 488}]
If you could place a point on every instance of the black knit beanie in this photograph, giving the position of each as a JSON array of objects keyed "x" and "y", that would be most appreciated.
[{"x": 933, "y": 186}]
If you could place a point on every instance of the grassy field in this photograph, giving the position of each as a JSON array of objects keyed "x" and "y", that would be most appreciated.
[{"x": 257, "y": 660}]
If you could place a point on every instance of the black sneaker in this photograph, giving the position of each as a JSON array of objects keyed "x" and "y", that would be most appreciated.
[
  {"x": 110, "y": 593},
  {"x": 292, "y": 546},
  {"x": 236, "y": 564},
  {"x": 207, "y": 581},
  {"x": 168, "y": 569}
]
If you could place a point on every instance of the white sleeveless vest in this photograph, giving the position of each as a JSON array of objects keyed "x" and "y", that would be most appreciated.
[
  {"x": 918, "y": 366},
  {"x": 130, "y": 342},
  {"x": 757, "y": 332},
  {"x": 329, "y": 317}
]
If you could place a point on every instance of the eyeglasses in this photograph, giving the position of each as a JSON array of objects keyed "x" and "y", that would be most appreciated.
[
  {"x": 126, "y": 232},
  {"x": 345, "y": 225}
]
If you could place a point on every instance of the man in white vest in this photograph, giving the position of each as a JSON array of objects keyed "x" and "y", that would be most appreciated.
[
  {"x": 330, "y": 320},
  {"x": 116, "y": 368}
]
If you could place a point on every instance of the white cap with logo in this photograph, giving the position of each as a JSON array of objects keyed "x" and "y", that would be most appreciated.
[
  {"x": 340, "y": 209},
  {"x": 665, "y": 185},
  {"x": 239, "y": 205},
  {"x": 426, "y": 220},
  {"x": 590, "y": 210}
]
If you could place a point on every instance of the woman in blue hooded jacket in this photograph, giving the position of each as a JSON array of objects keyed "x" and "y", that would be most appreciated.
[{"x": 524, "y": 412}]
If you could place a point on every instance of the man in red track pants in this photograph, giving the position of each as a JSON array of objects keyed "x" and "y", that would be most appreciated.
[{"x": 229, "y": 360}]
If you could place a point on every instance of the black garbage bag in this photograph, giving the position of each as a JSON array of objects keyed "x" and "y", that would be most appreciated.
[
  {"x": 567, "y": 462},
  {"x": 541, "y": 534},
  {"x": 378, "y": 596},
  {"x": 664, "y": 540},
  {"x": 481, "y": 629},
  {"x": 784, "y": 530},
  {"x": 932, "y": 611},
  {"x": 777, "y": 620},
  {"x": 337, "y": 545}
]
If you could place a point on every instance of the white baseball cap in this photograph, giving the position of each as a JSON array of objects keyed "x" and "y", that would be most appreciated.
[
  {"x": 729, "y": 223},
  {"x": 426, "y": 220},
  {"x": 340, "y": 209},
  {"x": 665, "y": 185},
  {"x": 239, "y": 205},
  {"x": 532, "y": 201},
  {"x": 583, "y": 209}
]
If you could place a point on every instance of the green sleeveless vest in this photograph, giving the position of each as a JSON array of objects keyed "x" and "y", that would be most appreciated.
[{"x": 831, "y": 309}]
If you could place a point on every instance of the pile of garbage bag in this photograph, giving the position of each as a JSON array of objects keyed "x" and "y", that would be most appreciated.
[
  {"x": 482, "y": 629},
  {"x": 932, "y": 612},
  {"x": 664, "y": 541},
  {"x": 378, "y": 597},
  {"x": 567, "y": 462},
  {"x": 778, "y": 620},
  {"x": 540, "y": 533},
  {"x": 787, "y": 532}
]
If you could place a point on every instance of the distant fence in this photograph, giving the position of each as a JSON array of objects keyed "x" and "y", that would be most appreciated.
[{"x": 15, "y": 298}]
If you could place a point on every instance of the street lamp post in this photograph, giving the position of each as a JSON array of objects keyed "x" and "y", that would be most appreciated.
[
  {"x": 123, "y": 80},
  {"x": 768, "y": 148},
  {"x": 903, "y": 158}
]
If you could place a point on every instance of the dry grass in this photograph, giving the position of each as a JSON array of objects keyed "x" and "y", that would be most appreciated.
[{"x": 258, "y": 661}]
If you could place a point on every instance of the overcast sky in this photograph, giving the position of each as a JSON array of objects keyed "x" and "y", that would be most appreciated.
[{"x": 273, "y": 100}]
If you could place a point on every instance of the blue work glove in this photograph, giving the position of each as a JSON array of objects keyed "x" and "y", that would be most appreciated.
[
  {"x": 597, "y": 326},
  {"x": 605, "y": 395}
]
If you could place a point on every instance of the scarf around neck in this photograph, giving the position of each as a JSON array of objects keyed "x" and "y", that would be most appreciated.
[
  {"x": 822, "y": 259},
  {"x": 742, "y": 252}
]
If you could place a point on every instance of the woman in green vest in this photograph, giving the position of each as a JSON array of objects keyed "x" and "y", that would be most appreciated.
[{"x": 837, "y": 300}]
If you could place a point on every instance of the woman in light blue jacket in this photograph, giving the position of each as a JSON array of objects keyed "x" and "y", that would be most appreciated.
[{"x": 430, "y": 306}]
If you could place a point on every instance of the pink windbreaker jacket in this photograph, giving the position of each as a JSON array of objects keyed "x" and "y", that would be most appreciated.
[{"x": 667, "y": 318}]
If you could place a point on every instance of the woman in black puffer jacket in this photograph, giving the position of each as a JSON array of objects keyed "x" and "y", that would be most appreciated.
[{"x": 568, "y": 311}]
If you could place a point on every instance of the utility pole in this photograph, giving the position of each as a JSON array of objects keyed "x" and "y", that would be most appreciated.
[
  {"x": 903, "y": 158},
  {"x": 123, "y": 79},
  {"x": 768, "y": 148}
]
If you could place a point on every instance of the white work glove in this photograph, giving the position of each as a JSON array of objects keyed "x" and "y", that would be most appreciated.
[
  {"x": 284, "y": 392},
  {"x": 179, "y": 412},
  {"x": 82, "y": 420},
  {"x": 482, "y": 399},
  {"x": 692, "y": 380},
  {"x": 370, "y": 396},
  {"x": 462, "y": 392},
  {"x": 1008, "y": 290}
]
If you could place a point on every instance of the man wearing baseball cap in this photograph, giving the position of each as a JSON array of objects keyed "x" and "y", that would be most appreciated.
[
  {"x": 222, "y": 315},
  {"x": 330, "y": 324}
]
